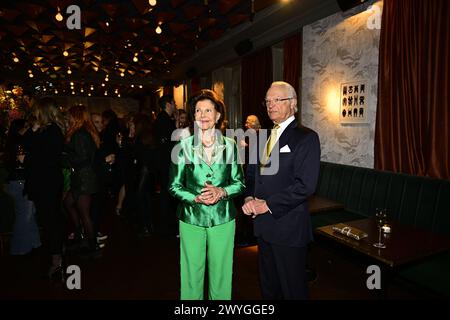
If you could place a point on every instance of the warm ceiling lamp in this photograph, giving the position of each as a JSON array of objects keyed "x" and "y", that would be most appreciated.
[
  {"x": 56, "y": 91},
  {"x": 59, "y": 16},
  {"x": 152, "y": 2},
  {"x": 106, "y": 79},
  {"x": 92, "y": 87},
  {"x": 103, "y": 84},
  {"x": 132, "y": 85},
  {"x": 107, "y": 23},
  {"x": 89, "y": 94},
  {"x": 15, "y": 59},
  {"x": 140, "y": 86},
  {"x": 106, "y": 93},
  {"x": 65, "y": 53},
  {"x": 135, "y": 59},
  {"x": 31, "y": 75},
  {"x": 71, "y": 83},
  {"x": 158, "y": 30},
  {"x": 69, "y": 71},
  {"x": 118, "y": 95},
  {"x": 122, "y": 74},
  {"x": 81, "y": 90}
]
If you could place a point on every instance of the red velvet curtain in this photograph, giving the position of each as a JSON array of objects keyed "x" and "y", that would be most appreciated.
[
  {"x": 256, "y": 77},
  {"x": 413, "y": 114},
  {"x": 292, "y": 62}
]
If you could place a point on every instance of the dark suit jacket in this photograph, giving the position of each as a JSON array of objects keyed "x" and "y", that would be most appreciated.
[{"x": 287, "y": 191}]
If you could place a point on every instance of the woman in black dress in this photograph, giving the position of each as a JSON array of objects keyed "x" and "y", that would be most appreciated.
[
  {"x": 43, "y": 144},
  {"x": 82, "y": 142}
]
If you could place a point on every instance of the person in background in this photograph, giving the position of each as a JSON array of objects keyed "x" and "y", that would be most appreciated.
[
  {"x": 82, "y": 142},
  {"x": 145, "y": 159},
  {"x": 97, "y": 121},
  {"x": 183, "y": 126},
  {"x": 43, "y": 144},
  {"x": 205, "y": 177},
  {"x": 244, "y": 224},
  {"x": 164, "y": 127},
  {"x": 104, "y": 168},
  {"x": 25, "y": 234},
  {"x": 278, "y": 201}
]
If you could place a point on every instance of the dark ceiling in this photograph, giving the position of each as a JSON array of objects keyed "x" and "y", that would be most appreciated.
[{"x": 112, "y": 34}]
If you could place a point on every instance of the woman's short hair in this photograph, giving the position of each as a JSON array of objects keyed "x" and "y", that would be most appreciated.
[{"x": 206, "y": 94}]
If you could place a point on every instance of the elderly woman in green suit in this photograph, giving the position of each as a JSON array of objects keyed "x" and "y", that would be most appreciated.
[{"x": 205, "y": 176}]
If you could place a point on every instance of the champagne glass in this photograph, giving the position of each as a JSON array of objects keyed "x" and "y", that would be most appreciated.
[
  {"x": 120, "y": 139},
  {"x": 20, "y": 152},
  {"x": 380, "y": 216}
]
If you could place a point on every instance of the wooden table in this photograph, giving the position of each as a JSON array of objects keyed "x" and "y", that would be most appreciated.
[
  {"x": 319, "y": 204},
  {"x": 404, "y": 245}
]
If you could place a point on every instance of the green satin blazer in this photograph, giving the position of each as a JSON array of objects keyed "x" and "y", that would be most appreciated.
[{"x": 189, "y": 174}]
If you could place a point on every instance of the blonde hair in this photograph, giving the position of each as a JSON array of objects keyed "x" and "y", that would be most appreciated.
[{"x": 46, "y": 111}]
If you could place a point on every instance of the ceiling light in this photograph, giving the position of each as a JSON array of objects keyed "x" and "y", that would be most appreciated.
[
  {"x": 65, "y": 53},
  {"x": 89, "y": 94},
  {"x": 132, "y": 85},
  {"x": 135, "y": 59},
  {"x": 56, "y": 91},
  {"x": 71, "y": 83},
  {"x": 158, "y": 30},
  {"x": 118, "y": 95},
  {"x": 106, "y": 79},
  {"x": 152, "y": 2},
  {"x": 92, "y": 87},
  {"x": 73, "y": 92},
  {"x": 103, "y": 84},
  {"x": 106, "y": 93},
  {"x": 81, "y": 90},
  {"x": 59, "y": 16},
  {"x": 31, "y": 75},
  {"x": 107, "y": 23},
  {"x": 69, "y": 71},
  {"x": 129, "y": 44},
  {"x": 45, "y": 89},
  {"x": 140, "y": 86},
  {"x": 15, "y": 59}
]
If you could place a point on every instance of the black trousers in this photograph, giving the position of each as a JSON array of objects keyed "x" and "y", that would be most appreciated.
[
  {"x": 50, "y": 217},
  {"x": 282, "y": 271}
]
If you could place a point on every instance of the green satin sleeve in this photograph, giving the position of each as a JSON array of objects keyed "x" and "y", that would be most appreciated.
[
  {"x": 236, "y": 183},
  {"x": 177, "y": 184}
]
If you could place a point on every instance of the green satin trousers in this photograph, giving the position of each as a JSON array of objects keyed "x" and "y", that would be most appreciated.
[{"x": 213, "y": 245}]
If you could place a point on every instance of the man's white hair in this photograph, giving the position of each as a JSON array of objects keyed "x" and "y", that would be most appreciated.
[{"x": 290, "y": 89}]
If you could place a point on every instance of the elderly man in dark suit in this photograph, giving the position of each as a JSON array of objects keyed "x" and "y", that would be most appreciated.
[{"x": 277, "y": 199}]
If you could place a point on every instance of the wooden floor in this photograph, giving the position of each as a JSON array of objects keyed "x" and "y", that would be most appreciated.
[{"x": 133, "y": 268}]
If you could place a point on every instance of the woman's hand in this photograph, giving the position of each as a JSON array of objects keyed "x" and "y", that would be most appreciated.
[
  {"x": 109, "y": 159},
  {"x": 211, "y": 194}
]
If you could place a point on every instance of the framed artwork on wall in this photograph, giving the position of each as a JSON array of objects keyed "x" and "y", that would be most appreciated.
[{"x": 353, "y": 103}]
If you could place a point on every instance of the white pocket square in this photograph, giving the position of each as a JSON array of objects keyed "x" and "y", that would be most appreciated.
[{"x": 285, "y": 149}]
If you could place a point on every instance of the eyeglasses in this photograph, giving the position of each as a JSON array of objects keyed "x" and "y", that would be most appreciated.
[{"x": 266, "y": 103}]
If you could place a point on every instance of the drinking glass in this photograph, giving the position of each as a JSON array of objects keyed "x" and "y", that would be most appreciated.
[
  {"x": 20, "y": 152},
  {"x": 380, "y": 216}
]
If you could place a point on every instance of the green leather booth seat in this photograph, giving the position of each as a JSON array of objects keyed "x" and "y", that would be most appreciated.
[{"x": 419, "y": 201}]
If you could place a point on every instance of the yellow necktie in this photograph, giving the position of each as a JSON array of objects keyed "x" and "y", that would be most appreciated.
[{"x": 272, "y": 140}]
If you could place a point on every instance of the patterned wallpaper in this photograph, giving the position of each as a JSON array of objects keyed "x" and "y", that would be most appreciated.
[{"x": 338, "y": 49}]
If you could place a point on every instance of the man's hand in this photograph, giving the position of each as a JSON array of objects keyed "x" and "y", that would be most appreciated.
[{"x": 254, "y": 207}]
